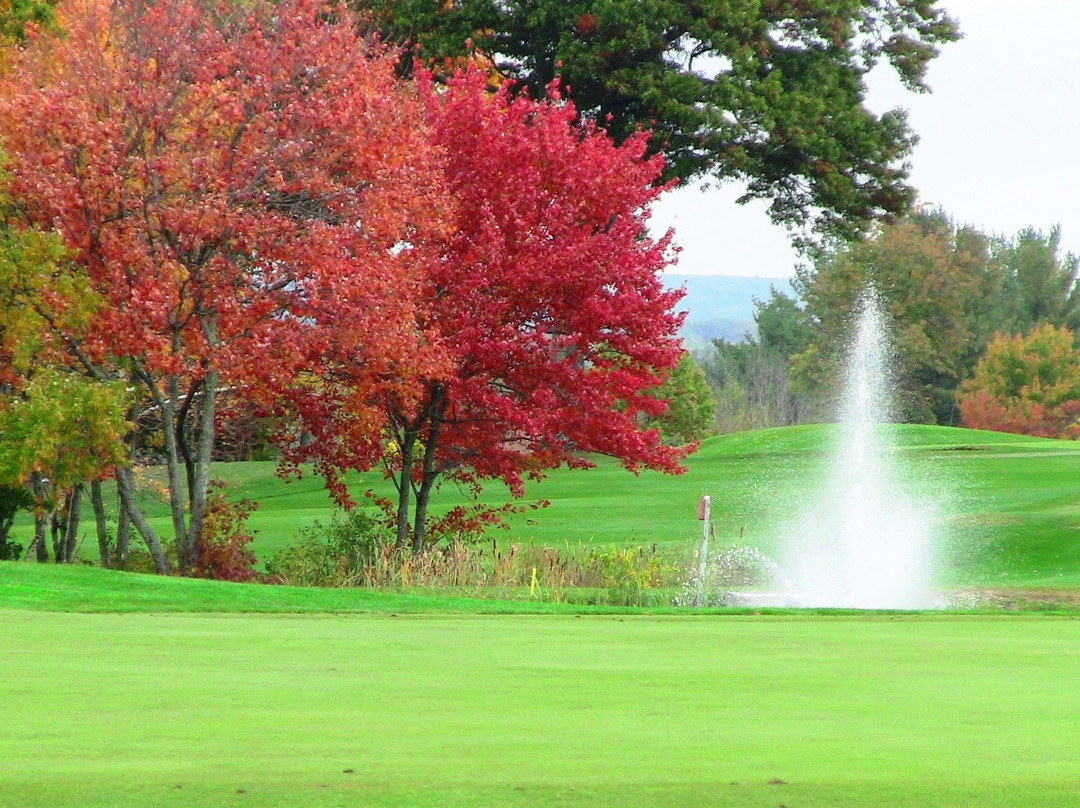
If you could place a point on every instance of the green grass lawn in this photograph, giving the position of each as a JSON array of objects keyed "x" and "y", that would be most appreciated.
[
  {"x": 457, "y": 710},
  {"x": 1011, "y": 503}
]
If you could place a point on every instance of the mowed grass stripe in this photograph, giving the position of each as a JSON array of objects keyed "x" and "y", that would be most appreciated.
[{"x": 187, "y": 710}]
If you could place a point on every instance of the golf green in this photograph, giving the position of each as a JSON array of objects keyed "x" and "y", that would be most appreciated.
[{"x": 464, "y": 710}]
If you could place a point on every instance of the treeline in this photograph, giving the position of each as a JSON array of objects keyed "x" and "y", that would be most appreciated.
[{"x": 983, "y": 331}]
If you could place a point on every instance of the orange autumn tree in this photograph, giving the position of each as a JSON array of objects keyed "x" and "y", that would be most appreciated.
[
  {"x": 224, "y": 174},
  {"x": 1027, "y": 384}
]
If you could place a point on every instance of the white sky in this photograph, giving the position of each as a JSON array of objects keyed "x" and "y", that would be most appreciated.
[{"x": 999, "y": 142}]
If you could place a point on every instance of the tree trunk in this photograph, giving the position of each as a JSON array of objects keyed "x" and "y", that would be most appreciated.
[
  {"x": 408, "y": 450},
  {"x": 41, "y": 549},
  {"x": 71, "y": 525},
  {"x": 177, "y": 506},
  {"x": 430, "y": 471},
  {"x": 38, "y": 488},
  {"x": 99, "y": 518},
  {"x": 123, "y": 539},
  {"x": 177, "y": 503},
  {"x": 5, "y": 527},
  {"x": 125, "y": 483},
  {"x": 204, "y": 451},
  {"x": 423, "y": 496},
  {"x": 56, "y": 532},
  {"x": 182, "y": 441}
]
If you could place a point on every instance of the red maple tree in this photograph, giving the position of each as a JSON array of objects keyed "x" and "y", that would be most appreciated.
[
  {"x": 544, "y": 300},
  {"x": 225, "y": 174}
]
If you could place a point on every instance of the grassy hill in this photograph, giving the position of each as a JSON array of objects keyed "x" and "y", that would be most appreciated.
[{"x": 1011, "y": 504}]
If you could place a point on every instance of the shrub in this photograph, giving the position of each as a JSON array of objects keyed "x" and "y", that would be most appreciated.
[
  {"x": 342, "y": 553},
  {"x": 623, "y": 576},
  {"x": 140, "y": 560},
  {"x": 629, "y": 573},
  {"x": 223, "y": 546}
]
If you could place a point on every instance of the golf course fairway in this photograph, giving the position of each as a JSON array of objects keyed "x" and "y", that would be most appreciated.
[{"x": 539, "y": 710}]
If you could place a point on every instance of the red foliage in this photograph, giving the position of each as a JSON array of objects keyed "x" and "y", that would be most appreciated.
[
  {"x": 982, "y": 410},
  {"x": 545, "y": 299},
  {"x": 548, "y": 294}
]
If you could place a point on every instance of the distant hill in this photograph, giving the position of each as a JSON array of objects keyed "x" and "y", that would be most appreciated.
[{"x": 720, "y": 305}]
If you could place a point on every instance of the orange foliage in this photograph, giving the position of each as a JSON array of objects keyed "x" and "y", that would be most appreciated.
[{"x": 231, "y": 179}]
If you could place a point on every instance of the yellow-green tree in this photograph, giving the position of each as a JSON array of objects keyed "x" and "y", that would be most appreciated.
[
  {"x": 61, "y": 429},
  {"x": 691, "y": 412},
  {"x": 15, "y": 15},
  {"x": 60, "y": 432}
]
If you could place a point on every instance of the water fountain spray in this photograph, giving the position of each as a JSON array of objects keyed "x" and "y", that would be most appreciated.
[{"x": 866, "y": 541}]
